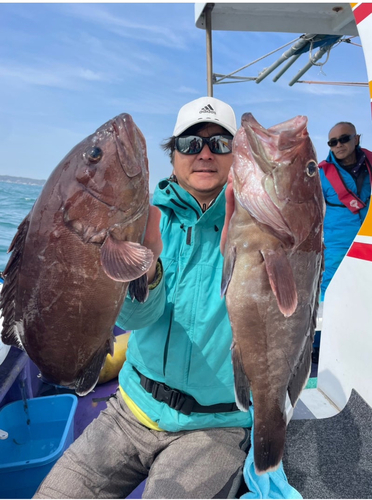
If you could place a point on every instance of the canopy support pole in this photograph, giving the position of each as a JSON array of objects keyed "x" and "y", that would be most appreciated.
[{"x": 208, "y": 30}]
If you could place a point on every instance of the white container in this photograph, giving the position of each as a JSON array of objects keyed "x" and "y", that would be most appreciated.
[{"x": 4, "y": 349}]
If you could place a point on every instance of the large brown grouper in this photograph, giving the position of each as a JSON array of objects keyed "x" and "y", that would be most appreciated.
[
  {"x": 272, "y": 271},
  {"x": 75, "y": 254}
]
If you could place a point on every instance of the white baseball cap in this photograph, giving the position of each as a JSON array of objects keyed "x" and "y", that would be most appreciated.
[{"x": 205, "y": 109}]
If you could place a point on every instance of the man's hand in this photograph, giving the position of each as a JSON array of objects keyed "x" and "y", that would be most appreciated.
[
  {"x": 230, "y": 206},
  {"x": 153, "y": 240}
]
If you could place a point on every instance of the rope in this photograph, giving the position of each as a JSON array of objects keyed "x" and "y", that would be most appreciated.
[{"x": 347, "y": 84}]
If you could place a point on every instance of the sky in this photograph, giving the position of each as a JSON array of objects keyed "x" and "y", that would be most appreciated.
[{"x": 65, "y": 69}]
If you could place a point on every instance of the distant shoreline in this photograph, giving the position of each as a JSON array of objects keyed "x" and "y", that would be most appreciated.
[{"x": 21, "y": 180}]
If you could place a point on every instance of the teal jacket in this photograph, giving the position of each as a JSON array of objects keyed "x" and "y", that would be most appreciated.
[{"x": 181, "y": 335}]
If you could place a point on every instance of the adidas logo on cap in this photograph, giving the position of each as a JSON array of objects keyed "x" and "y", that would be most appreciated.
[{"x": 207, "y": 109}]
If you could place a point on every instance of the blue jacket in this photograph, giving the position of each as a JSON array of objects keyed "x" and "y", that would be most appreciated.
[
  {"x": 340, "y": 224},
  {"x": 182, "y": 334}
]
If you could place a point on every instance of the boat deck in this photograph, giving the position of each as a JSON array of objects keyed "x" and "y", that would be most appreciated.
[{"x": 321, "y": 440}]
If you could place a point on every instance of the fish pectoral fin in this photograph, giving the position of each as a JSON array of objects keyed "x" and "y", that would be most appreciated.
[
  {"x": 241, "y": 382},
  {"x": 125, "y": 260},
  {"x": 88, "y": 376},
  {"x": 281, "y": 280},
  {"x": 228, "y": 268}
]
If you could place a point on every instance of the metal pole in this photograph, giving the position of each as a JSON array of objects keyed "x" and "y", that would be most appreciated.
[
  {"x": 285, "y": 67},
  {"x": 313, "y": 60},
  {"x": 287, "y": 54},
  {"x": 208, "y": 30}
]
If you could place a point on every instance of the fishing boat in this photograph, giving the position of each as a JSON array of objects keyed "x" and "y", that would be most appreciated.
[{"x": 329, "y": 439}]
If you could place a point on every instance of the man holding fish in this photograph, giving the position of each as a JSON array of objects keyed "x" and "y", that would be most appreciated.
[
  {"x": 174, "y": 419},
  {"x": 180, "y": 418}
]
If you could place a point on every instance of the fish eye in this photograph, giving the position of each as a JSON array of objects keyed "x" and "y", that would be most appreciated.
[
  {"x": 311, "y": 168},
  {"x": 93, "y": 154}
]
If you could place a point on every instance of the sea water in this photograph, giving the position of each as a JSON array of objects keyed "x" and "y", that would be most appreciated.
[{"x": 16, "y": 201}]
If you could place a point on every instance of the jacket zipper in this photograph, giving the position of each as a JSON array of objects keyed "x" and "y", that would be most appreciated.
[
  {"x": 166, "y": 347},
  {"x": 188, "y": 237}
]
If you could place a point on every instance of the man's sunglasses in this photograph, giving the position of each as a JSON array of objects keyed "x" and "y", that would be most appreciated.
[
  {"x": 192, "y": 144},
  {"x": 342, "y": 140}
]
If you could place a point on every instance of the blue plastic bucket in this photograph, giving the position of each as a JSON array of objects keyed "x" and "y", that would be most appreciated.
[{"x": 37, "y": 436}]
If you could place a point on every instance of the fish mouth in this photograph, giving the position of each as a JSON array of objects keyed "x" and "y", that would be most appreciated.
[
  {"x": 130, "y": 144},
  {"x": 271, "y": 147},
  {"x": 268, "y": 151},
  {"x": 125, "y": 148}
]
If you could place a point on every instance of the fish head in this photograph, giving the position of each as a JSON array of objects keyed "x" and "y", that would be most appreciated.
[
  {"x": 276, "y": 177},
  {"x": 114, "y": 156}
]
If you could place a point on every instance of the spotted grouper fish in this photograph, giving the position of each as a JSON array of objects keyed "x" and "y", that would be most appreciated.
[
  {"x": 75, "y": 255},
  {"x": 273, "y": 262}
]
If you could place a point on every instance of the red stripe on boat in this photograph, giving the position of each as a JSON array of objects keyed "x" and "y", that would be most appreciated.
[
  {"x": 362, "y": 11},
  {"x": 360, "y": 251}
]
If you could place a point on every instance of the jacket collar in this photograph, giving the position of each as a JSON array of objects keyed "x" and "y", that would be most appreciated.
[{"x": 171, "y": 195}]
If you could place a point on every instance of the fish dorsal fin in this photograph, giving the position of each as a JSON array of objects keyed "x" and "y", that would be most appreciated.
[
  {"x": 228, "y": 268},
  {"x": 281, "y": 279},
  {"x": 10, "y": 336},
  {"x": 11, "y": 333},
  {"x": 125, "y": 260}
]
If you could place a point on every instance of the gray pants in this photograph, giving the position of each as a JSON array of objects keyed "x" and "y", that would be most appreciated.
[{"x": 116, "y": 453}]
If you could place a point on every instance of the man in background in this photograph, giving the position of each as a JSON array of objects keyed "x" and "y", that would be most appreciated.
[{"x": 346, "y": 181}]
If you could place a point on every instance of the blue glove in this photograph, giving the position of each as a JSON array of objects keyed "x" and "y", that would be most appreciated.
[{"x": 268, "y": 485}]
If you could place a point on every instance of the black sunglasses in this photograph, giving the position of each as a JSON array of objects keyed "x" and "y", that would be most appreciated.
[
  {"x": 219, "y": 144},
  {"x": 342, "y": 140}
]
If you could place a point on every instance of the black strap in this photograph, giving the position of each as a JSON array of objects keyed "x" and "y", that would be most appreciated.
[
  {"x": 180, "y": 401},
  {"x": 104, "y": 398}
]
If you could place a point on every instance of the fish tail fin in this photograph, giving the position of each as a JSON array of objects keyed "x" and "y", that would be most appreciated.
[
  {"x": 242, "y": 385},
  {"x": 138, "y": 289},
  {"x": 88, "y": 376},
  {"x": 269, "y": 440}
]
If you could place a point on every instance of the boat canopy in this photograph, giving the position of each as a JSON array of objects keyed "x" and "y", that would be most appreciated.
[
  {"x": 321, "y": 18},
  {"x": 323, "y": 25}
]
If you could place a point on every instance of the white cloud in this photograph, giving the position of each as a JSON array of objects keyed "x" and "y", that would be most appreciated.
[
  {"x": 326, "y": 90},
  {"x": 108, "y": 55},
  {"x": 156, "y": 34},
  {"x": 149, "y": 105},
  {"x": 59, "y": 76},
  {"x": 188, "y": 90}
]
